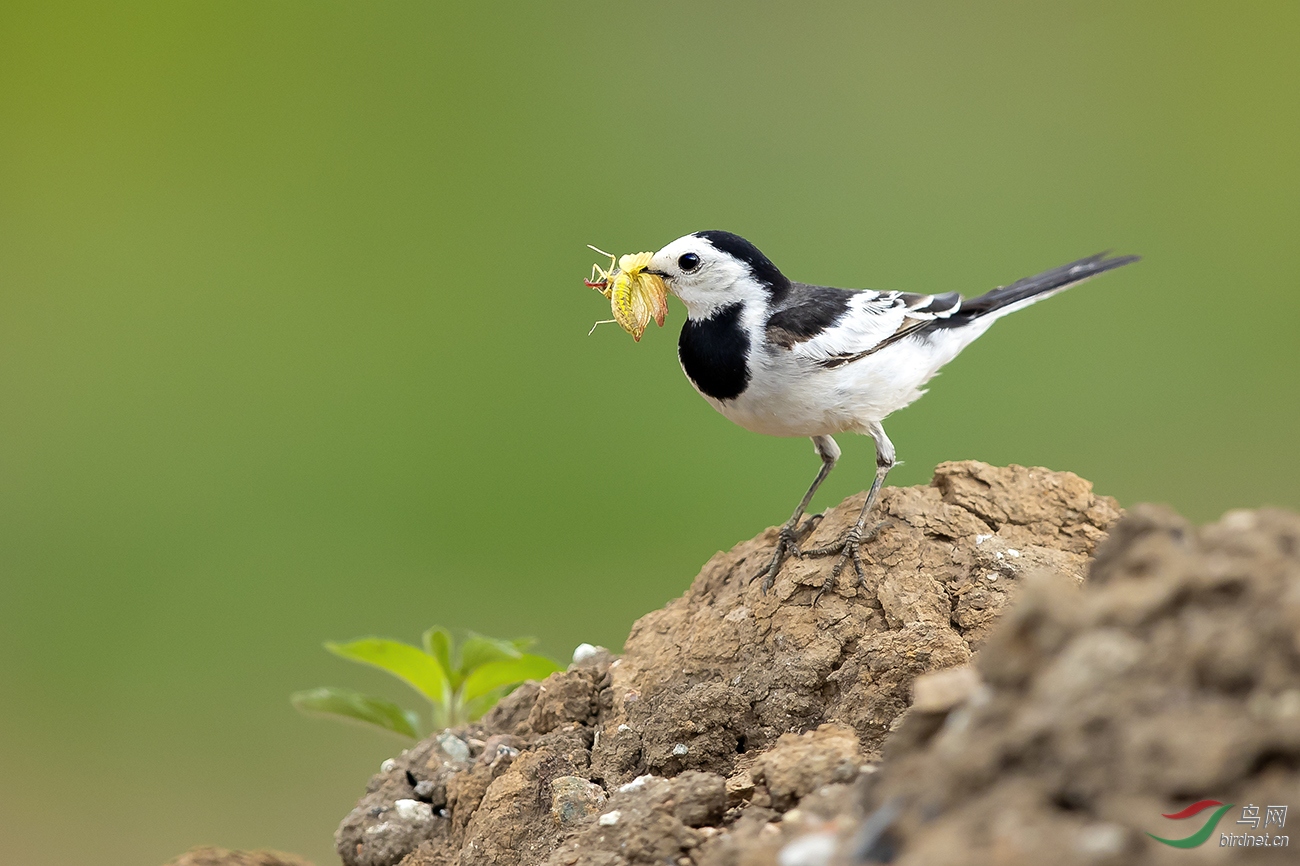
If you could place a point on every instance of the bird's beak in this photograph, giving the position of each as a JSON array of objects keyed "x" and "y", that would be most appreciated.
[{"x": 661, "y": 277}]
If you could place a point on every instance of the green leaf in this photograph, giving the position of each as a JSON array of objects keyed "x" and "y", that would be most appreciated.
[
  {"x": 478, "y": 650},
  {"x": 356, "y": 707},
  {"x": 506, "y": 672},
  {"x": 437, "y": 643},
  {"x": 419, "y": 669}
]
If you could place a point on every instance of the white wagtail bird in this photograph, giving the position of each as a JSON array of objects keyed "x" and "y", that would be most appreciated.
[{"x": 791, "y": 359}]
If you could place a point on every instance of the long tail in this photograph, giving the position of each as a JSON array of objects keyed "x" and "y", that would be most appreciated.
[
  {"x": 973, "y": 316},
  {"x": 1024, "y": 292}
]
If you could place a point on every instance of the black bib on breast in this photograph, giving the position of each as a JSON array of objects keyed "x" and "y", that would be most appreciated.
[{"x": 714, "y": 353}]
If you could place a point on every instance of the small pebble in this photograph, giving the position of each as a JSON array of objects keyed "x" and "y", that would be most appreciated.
[
  {"x": 413, "y": 811},
  {"x": 680, "y": 749},
  {"x": 583, "y": 652},
  {"x": 638, "y": 782},
  {"x": 424, "y": 789},
  {"x": 453, "y": 746},
  {"x": 815, "y": 849},
  {"x": 609, "y": 819},
  {"x": 574, "y": 798}
]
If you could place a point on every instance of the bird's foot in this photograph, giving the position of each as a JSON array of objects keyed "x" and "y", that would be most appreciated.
[
  {"x": 848, "y": 549},
  {"x": 787, "y": 544}
]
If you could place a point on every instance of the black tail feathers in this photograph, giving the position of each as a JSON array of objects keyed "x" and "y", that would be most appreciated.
[{"x": 1045, "y": 283}]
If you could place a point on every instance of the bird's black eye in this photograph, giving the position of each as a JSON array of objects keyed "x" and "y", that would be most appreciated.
[{"x": 688, "y": 261}]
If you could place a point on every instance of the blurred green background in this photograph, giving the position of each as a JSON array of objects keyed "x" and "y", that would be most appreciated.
[{"x": 293, "y": 343}]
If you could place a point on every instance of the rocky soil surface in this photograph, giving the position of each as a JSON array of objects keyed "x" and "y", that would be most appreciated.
[
  {"x": 1172, "y": 677},
  {"x": 978, "y": 701}
]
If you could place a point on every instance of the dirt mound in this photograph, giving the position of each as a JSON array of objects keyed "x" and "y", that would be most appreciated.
[
  {"x": 735, "y": 722},
  {"x": 1173, "y": 677}
]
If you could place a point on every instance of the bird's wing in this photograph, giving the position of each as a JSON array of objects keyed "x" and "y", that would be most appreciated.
[{"x": 835, "y": 329}]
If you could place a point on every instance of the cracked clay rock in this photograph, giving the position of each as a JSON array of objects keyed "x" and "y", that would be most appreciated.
[
  {"x": 1172, "y": 677},
  {"x": 736, "y": 722},
  {"x": 725, "y": 669}
]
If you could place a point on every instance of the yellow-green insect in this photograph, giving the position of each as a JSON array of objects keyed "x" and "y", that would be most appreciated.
[{"x": 635, "y": 296}]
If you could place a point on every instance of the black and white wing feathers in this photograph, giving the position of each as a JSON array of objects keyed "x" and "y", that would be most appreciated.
[
  {"x": 836, "y": 326},
  {"x": 833, "y": 327}
]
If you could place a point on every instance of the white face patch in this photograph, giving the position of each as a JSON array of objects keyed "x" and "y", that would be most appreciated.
[{"x": 708, "y": 282}]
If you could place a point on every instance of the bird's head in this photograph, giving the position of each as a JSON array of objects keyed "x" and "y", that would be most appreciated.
[{"x": 714, "y": 269}]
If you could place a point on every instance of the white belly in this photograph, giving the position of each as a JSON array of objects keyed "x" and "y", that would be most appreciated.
[{"x": 789, "y": 396}]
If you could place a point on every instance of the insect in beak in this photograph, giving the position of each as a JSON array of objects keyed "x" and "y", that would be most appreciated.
[{"x": 635, "y": 293}]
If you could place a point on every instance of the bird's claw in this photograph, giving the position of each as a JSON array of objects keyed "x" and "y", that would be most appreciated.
[
  {"x": 848, "y": 549},
  {"x": 787, "y": 543}
]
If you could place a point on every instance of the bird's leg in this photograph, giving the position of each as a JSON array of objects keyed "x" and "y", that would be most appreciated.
[
  {"x": 847, "y": 547},
  {"x": 787, "y": 540}
]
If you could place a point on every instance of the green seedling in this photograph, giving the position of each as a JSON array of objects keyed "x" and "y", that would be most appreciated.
[{"x": 461, "y": 681}]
